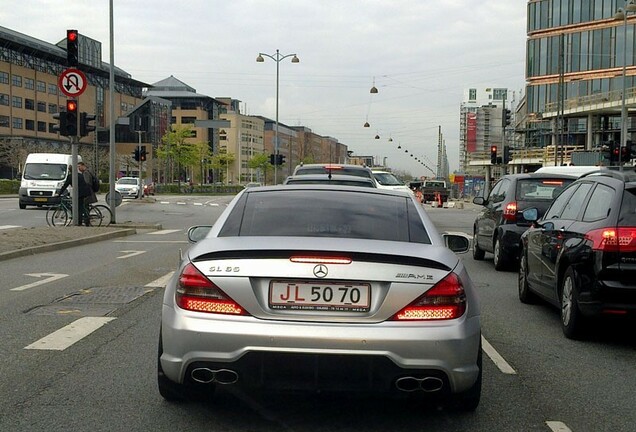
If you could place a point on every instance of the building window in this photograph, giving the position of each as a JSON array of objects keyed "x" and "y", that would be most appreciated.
[
  {"x": 52, "y": 108},
  {"x": 4, "y": 99},
  {"x": 42, "y": 106},
  {"x": 52, "y": 128},
  {"x": 29, "y": 84},
  {"x": 499, "y": 94},
  {"x": 4, "y": 78},
  {"x": 16, "y": 80},
  {"x": 16, "y": 102},
  {"x": 41, "y": 126},
  {"x": 472, "y": 94},
  {"x": 42, "y": 86},
  {"x": 53, "y": 89},
  {"x": 29, "y": 104},
  {"x": 188, "y": 120},
  {"x": 29, "y": 124},
  {"x": 17, "y": 123},
  {"x": 4, "y": 121},
  {"x": 124, "y": 107},
  {"x": 193, "y": 134}
]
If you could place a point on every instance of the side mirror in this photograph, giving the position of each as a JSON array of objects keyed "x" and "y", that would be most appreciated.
[
  {"x": 457, "y": 243},
  {"x": 197, "y": 233},
  {"x": 531, "y": 214},
  {"x": 479, "y": 201}
]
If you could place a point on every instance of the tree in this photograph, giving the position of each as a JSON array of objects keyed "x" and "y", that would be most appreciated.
[
  {"x": 260, "y": 161},
  {"x": 175, "y": 148},
  {"x": 222, "y": 161}
]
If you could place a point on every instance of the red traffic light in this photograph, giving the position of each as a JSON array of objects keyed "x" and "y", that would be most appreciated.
[
  {"x": 71, "y": 106},
  {"x": 493, "y": 149},
  {"x": 71, "y": 35}
]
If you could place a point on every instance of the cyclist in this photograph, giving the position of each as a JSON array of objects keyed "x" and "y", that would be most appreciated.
[{"x": 85, "y": 192}]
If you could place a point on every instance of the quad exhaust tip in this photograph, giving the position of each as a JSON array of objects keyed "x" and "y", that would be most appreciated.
[
  {"x": 427, "y": 384},
  {"x": 216, "y": 376}
]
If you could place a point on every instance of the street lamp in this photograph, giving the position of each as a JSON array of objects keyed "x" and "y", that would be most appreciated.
[
  {"x": 621, "y": 14},
  {"x": 278, "y": 57}
]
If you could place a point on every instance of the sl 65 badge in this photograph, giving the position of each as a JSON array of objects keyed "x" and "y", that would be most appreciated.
[{"x": 228, "y": 269}]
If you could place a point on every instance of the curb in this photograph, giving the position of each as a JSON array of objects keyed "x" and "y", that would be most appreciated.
[{"x": 68, "y": 243}]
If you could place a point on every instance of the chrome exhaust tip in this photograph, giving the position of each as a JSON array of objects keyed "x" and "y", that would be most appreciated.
[
  {"x": 220, "y": 376},
  {"x": 427, "y": 384}
]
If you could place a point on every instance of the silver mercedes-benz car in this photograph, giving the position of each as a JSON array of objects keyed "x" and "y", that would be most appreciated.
[{"x": 322, "y": 287}]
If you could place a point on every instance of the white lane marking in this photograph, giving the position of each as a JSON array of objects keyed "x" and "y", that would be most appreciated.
[
  {"x": 66, "y": 336},
  {"x": 130, "y": 253},
  {"x": 198, "y": 204},
  {"x": 161, "y": 282},
  {"x": 497, "y": 359},
  {"x": 162, "y": 232},
  {"x": 50, "y": 277},
  {"x": 164, "y": 202},
  {"x": 8, "y": 226},
  {"x": 150, "y": 241},
  {"x": 558, "y": 426},
  {"x": 181, "y": 203},
  {"x": 214, "y": 204}
]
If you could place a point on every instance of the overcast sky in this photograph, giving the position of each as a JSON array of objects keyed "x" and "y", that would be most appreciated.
[{"x": 421, "y": 55}]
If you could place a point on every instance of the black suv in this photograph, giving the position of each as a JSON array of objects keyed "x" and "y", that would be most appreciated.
[
  {"x": 498, "y": 227},
  {"x": 581, "y": 256}
]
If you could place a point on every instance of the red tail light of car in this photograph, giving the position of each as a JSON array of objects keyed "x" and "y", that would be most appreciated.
[
  {"x": 613, "y": 239},
  {"x": 510, "y": 212},
  {"x": 446, "y": 300},
  {"x": 197, "y": 293}
]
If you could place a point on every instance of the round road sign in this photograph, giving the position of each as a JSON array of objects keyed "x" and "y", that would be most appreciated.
[{"x": 72, "y": 82}]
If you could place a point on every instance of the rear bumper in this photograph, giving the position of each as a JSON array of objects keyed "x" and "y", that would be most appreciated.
[
  {"x": 608, "y": 298},
  {"x": 286, "y": 355}
]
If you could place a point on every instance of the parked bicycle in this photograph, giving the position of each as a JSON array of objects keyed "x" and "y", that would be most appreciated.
[{"x": 62, "y": 214}]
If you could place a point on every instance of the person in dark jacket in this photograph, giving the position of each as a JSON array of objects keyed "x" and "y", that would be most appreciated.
[{"x": 85, "y": 194}]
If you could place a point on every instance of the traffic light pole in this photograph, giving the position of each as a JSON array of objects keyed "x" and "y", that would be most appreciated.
[{"x": 74, "y": 179}]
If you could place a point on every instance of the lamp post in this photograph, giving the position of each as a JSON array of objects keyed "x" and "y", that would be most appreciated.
[
  {"x": 621, "y": 14},
  {"x": 278, "y": 57}
]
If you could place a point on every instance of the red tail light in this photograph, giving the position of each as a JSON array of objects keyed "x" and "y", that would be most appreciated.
[
  {"x": 446, "y": 300},
  {"x": 197, "y": 293},
  {"x": 510, "y": 212},
  {"x": 613, "y": 239}
]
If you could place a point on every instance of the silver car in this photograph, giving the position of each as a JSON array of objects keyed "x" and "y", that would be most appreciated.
[{"x": 322, "y": 287}]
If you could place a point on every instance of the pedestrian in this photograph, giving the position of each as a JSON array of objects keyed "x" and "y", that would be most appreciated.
[{"x": 85, "y": 194}]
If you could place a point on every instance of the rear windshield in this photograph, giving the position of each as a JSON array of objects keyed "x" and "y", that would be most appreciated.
[
  {"x": 628, "y": 208},
  {"x": 540, "y": 189},
  {"x": 435, "y": 184},
  {"x": 360, "y": 172},
  {"x": 301, "y": 180},
  {"x": 387, "y": 179},
  {"x": 326, "y": 213}
]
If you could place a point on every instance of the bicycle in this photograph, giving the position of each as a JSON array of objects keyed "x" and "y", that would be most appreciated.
[{"x": 62, "y": 214}]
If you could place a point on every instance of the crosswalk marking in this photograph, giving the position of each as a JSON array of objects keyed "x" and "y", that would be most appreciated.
[
  {"x": 162, "y": 232},
  {"x": 66, "y": 336},
  {"x": 8, "y": 226}
]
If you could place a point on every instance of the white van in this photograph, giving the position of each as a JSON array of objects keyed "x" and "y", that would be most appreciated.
[
  {"x": 387, "y": 180},
  {"x": 574, "y": 170},
  {"x": 43, "y": 176}
]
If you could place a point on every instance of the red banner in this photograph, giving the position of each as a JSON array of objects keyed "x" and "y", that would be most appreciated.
[{"x": 471, "y": 132}]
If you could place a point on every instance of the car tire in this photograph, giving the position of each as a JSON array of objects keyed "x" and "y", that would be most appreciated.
[
  {"x": 572, "y": 321},
  {"x": 499, "y": 259},
  {"x": 468, "y": 400},
  {"x": 525, "y": 295},
  {"x": 22, "y": 206},
  {"x": 478, "y": 253}
]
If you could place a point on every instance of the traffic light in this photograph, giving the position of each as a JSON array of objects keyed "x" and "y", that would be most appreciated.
[
  {"x": 280, "y": 159},
  {"x": 71, "y": 117},
  {"x": 136, "y": 154},
  {"x": 142, "y": 154},
  {"x": 505, "y": 119},
  {"x": 272, "y": 159},
  {"x": 493, "y": 155},
  {"x": 507, "y": 156},
  {"x": 85, "y": 123},
  {"x": 614, "y": 150},
  {"x": 72, "y": 48},
  {"x": 61, "y": 126}
]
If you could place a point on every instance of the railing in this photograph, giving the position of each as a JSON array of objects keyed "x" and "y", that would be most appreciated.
[
  {"x": 544, "y": 156},
  {"x": 593, "y": 99}
]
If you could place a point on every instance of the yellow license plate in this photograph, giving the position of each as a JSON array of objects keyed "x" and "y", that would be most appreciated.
[{"x": 40, "y": 199}]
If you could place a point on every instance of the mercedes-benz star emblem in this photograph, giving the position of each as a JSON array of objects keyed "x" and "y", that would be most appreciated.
[{"x": 320, "y": 271}]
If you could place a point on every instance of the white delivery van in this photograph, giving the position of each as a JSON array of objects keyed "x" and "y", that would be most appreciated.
[{"x": 43, "y": 176}]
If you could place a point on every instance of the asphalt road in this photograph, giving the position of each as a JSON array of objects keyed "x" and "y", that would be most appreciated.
[{"x": 534, "y": 378}]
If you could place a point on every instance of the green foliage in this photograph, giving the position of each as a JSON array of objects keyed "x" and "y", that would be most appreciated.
[{"x": 9, "y": 187}]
